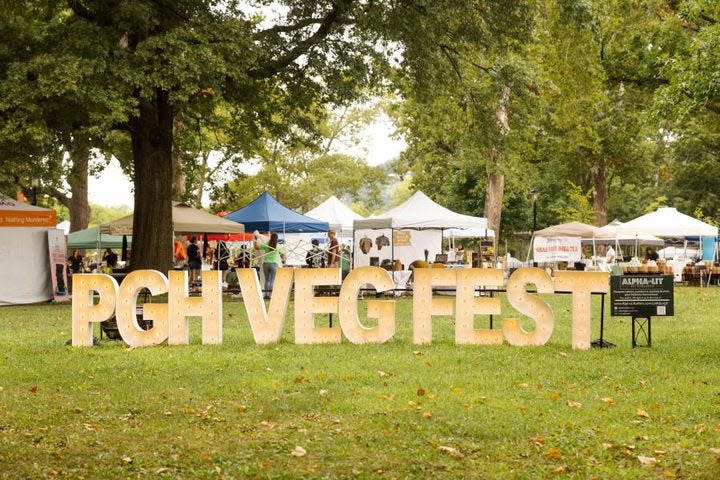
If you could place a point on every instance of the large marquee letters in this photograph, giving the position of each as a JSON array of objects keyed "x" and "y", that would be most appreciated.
[{"x": 170, "y": 321}]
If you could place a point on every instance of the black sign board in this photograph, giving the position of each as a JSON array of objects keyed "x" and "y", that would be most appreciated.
[{"x": 641, "y": 295}]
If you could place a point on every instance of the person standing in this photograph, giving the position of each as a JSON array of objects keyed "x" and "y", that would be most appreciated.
[
  {"x": 244, "y": 257},
  {"x": 194, "y": 260},
  {"x": 333, "y": 251},
  {"x": 272, "y": 259},
  {"x": 222, "y": 256},
  {"x": 110, "y": 258},
  {"x": 610, "y": 255},
  {"x": 315, "y": 257},
  {"x": 75, "y": 261}
]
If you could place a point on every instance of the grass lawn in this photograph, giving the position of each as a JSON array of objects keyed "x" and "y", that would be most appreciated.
[{"x": 391, "y": 411}]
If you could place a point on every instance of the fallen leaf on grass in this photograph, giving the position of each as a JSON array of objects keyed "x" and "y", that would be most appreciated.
[
  {"x": 77, "y": 410},
  {"x": 646, "y": 460},
  {"x": 553, "y": 452},
  {"x": 298, "y": 451},
  {"x": 92, "y": 426},
  {"x": 456, "y": 390},
  {"x": 420, "y": 392},
  {"x": 574, "y": 404},
  {"x": 382, "y": 373},
  {"x": 161, "y": 470},
  {"x": 669, "y": 474},
  {"x": 538, "y": 440},
  {"x": 642, "y": 413},
  {"x": 427, "y": 414},
  {"x": 453, "y": 452},
  {"x": 323, "y": 392},
  {"x": 560, "y": 469},
  {"x": 241, "y": 408},
  {"x": 189, "y": 410},
  {"x": 716, "y": 451},
  {"x": 608, "y": 400},
  {"x": 562, "y": 354},
  {"x": 34, "y": 389},
  {"x": 659, "y": 453},
  {"x": 127, "y": 459},
  {"x": 607, "y": 446},
  {"x": 168, "y": 413},
  {"x": 417, "y": 352},
  {"x": 523, "y": 385}
]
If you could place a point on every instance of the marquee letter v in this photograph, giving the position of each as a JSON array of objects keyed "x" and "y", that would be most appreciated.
[{"x": 266, "y": 326}]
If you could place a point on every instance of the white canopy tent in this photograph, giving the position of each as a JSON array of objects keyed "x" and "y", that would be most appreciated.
[
  {"x": 667, "y": 222},
  {"x": 411, "y": 231},
  {"x": 338, "y": 215},
  {"x": 25, "y": 276},
  {"x": 418, "y": 212},
  {"x": 610, "y": 234}
]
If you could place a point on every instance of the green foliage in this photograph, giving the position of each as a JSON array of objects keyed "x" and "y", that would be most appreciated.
[
  {"x": 100, "y": 214},
  {"x": 577, "y": 206},
  {"x": 657, "y": 202},
  {"x": 301, "y": 169}
]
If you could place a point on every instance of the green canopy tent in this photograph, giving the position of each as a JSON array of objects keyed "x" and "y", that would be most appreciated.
[{"x": 92, "y": 238}]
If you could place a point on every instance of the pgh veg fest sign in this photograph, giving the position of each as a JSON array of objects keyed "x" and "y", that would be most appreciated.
[{"x": 170, "y": 320}]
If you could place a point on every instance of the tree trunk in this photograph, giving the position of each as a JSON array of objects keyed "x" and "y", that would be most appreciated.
[
  {"x": 152, "y": 135},
  {"x": 179, "y": 185},
  {"x": 494, "y": 201},
  {"x": 600, "y": 198},
  {"x": 496, "y": 180},
  {"x": 78, "y": 180}
]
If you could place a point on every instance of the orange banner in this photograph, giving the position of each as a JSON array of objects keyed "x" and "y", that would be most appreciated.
[{"x": 20, "y": 218}]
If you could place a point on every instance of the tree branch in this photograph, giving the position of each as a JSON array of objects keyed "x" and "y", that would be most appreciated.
[
  {"x": 81, "y": 11},
  {"x": 288, "y": 28},
  {"x": 272, "y": 67},
  {"x": 60, "y": 197}
]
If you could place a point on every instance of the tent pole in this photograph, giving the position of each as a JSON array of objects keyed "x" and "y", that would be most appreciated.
[
  {"x": 392, "y": 246},
  {"x": 98, "y": 246},
  {"x": 442, "y": 235},
  {"x": 527, "y": 259}
]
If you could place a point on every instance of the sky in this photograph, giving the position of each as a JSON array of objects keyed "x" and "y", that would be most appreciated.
[{"x": 112, "y": 187}]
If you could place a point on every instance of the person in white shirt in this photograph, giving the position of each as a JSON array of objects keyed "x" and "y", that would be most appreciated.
[{"x": 610, "y": 255}]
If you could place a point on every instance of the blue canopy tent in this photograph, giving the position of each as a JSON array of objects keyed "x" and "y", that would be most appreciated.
[{"x": 266, "y": 214}]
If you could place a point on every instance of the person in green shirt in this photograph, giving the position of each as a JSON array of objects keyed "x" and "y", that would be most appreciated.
[{"x": 272, "y": 259}]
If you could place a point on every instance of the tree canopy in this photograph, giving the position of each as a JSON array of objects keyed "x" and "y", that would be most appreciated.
[{"x": 604, "y": 107}]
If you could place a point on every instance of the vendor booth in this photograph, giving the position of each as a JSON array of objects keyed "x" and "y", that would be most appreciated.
[
  {"x": 185, "y": 220},
  {"x": 668, "y": 223},
  {"x": 25, "y": 275},
  {"x": 266, "y": 214},
  {"x": 411, "y": 231},
  {"x": 562, "y": 243}
]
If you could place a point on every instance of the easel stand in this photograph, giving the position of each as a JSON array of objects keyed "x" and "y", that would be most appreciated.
[
  {"x": 601, "y": 342},
  {"x": 643, "y": 330}
]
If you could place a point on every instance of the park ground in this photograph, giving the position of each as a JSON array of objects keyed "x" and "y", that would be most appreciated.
[{"x": 394, "y": 410}]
